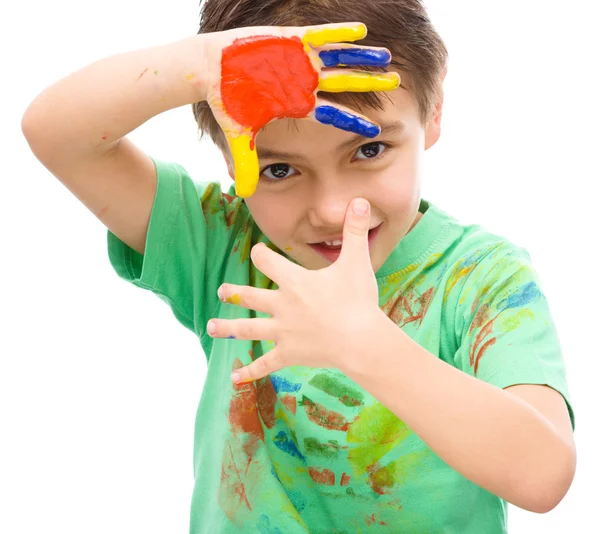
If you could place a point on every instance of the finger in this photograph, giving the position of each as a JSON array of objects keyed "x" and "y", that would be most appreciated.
[
  {"x": 334, "y": 33},
  {"x": 341, "y": 80},
  {"x": 355, "y": 243},
  {"x": 345, "y": 119},
  {"x": 259, "y": 368},
  {"x": 250, "y": 329},
  {"x": 251, "y": 298},
  {"x": 245, "y": 161},
  {"x": 273, "y": 265},
  {"x": 354, "y": 56}
]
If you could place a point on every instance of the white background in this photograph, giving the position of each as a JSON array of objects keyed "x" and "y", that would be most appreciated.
[{"x": 99, "y": 383}]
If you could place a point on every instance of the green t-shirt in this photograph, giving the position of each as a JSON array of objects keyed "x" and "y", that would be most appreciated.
[{"x": 307, "y": 449}]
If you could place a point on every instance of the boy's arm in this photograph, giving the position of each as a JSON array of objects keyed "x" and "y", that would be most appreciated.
[
  {"x": 516, "y": 443},
  {"x": 77, "y": 129}
]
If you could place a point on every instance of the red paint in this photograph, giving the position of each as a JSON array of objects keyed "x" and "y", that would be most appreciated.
[
  {"x": 140, "y": 77},
  {"x": 345, "y": 480},
  {"x": 321, "y": 416},
  {"x": 371, "y": 520},
  {"x": 325, "y": 477},
  {"x": 264, "y": 78},
  {"x": 410, "y": 306},
  {"x": 380, "y": 478},
  {"x": 289, "y": 402},
  {"x": 243, "y": 411},
  {"x": 482, "y": 350},
  {"x": 267, "y": 398}
]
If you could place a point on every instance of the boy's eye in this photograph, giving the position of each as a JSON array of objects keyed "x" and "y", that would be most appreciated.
[
  {"x": 279, "y": 171},
  {"x": 370, "y": 150}
]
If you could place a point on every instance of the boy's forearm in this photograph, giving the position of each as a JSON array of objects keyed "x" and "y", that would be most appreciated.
[
  {"x": 490, "y": 436},
  {"x": 92, "y": 108}
]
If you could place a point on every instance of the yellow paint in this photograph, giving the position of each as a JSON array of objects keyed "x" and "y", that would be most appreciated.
[
  {"x": 246, "y": 165},
  {"x": 288, "y": 249},
  {"x": 334, "y": 35},
  {"x": 359, "y": 82},
  {"x": 190, "y": 77},
  {"x": 234, "y": 299}
]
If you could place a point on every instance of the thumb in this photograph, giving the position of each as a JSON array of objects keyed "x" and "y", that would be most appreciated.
[
  {"x": 355, "y": 243},
  {"x": 245, "y": 164}
]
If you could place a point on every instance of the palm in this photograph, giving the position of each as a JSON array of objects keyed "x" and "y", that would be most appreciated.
[{"x": 270, "y": 73}]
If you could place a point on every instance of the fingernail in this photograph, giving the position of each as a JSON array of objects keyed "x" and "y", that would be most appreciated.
[
  {"x": 360, "y": 206},
  {"x": 220, "y": 294},
  {"x": 211, "y": 327},
  {"x": 235, "y": 377}
]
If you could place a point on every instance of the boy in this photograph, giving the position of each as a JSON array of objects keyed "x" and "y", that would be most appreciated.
[{"x": 409, "y": 380}]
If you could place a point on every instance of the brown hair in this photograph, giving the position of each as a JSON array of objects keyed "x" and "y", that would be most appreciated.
[{"x": 402, "y": 26}]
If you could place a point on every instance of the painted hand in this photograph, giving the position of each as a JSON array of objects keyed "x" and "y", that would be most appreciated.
[
  {"x": 268, "y": 73},
  {"x": 318, "y": 318}
]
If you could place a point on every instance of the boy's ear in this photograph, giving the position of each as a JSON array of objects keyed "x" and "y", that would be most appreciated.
[
  {"x": 433, "y": 131},
  {"x": 228, "y": 161}
]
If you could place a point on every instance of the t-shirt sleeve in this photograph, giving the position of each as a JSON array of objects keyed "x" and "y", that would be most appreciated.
[
  {"x": 190, "y": 233},
  {"x": 505, "y": 330}
]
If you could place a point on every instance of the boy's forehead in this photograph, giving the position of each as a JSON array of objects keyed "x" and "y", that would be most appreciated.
[{"x": 393, "y": 119}]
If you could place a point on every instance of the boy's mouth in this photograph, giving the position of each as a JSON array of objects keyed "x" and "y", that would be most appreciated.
[{"x": 330, "y": 249}]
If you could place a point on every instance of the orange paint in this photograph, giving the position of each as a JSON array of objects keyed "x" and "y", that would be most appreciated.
[
  {"x": 140, "y": 76},
  {"x": 267, "y": 398},
  {"x": 321, "y": 416},
  {"x": 264, "y": 78},
  {"x": 243, "y": 411},
  {"x": 325, "y": 477},
  {"x": 289, "y": 402}
]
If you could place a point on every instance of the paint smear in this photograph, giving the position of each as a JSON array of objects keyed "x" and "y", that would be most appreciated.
[
  {"x": 283, "y": 385},
  {"x": 321, "y": 416},
  {"x": 286, "y": 444},
  {"x": 332, "y": 386},
  {"x": 234, "y": 299},
  {"x": 140, "y": 76},
  {"x": 266, "y": 400},
  {"x": 263, "y": 78},
  {"x": 325, "y": 477},
  {"x": 289, "y": 401},
  {"x": 329, "y": 450},
  {"x": 266, "y": 77}
]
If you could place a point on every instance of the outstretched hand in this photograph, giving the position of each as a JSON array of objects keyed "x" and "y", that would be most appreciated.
[
  {"x": 268, "y": 73},
  {"x": 319, "y": 318}
]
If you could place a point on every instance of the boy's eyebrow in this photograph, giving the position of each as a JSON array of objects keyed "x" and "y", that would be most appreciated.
[
  {"x": 386, "y": 128},
  {"x": 389, "y": 128}
]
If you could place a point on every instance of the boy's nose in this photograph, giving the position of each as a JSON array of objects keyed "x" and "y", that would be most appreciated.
[{"x": 328, "y": 209}]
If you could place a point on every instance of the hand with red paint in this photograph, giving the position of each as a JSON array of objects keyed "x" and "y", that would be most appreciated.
[
  {"x": 318, "y": 318},
  {"x": 259, "y": 74}
]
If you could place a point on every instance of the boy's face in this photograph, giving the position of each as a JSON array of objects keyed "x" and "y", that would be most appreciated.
[{"x": 310, "y": 172}]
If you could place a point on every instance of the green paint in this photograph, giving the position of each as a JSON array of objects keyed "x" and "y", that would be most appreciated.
[
  {"x": 375, "y": 432},
  {"x": 512, "y": 321},
  {"x": 328, "y": 450},
  {"x": 334, "y": 387}
]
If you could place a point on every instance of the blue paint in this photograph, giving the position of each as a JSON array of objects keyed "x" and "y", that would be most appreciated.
[
  {"x": 356, "y": 56},
  {"x": 297, "y": 499},
  {"x": 281, "y": 385},
  {"x": 286, "y": 444},
  {"x": 346, "y": 121},
  {"x": 274, "y": 473},
  {"x": 522, "y": 297},
  {"x": 264, "y": 526},
  {"x": 231, "y": 337}
]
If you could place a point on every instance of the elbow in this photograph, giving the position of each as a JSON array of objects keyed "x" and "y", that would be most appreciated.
[{"x": 549, "y": 486}]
